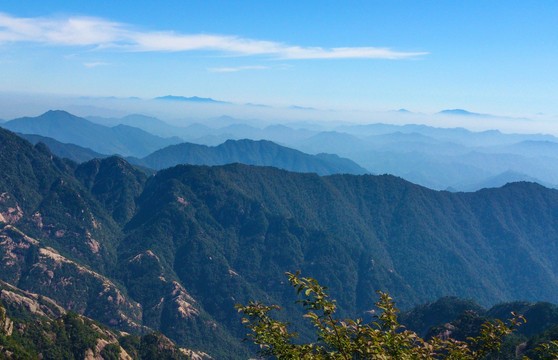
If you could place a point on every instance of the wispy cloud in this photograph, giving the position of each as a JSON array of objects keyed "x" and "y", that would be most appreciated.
[
  {"x": 239, "y": 68},
  {"x": 95, "y": 64},
  {"x": 104, "y": 34}
]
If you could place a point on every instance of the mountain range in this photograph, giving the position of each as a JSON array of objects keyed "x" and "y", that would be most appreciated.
[
  {"x": 67, "y": 128},
  {"x": 249, "y": 152},
  {"x": 439, "y": 158},
  {"x": 174, "y": 252},
  {"x": 118, "y": 135},
  {"x": 147, "y": 123}
]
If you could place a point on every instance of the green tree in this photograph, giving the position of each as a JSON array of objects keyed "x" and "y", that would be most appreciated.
[{"x": 384, "y": 339}]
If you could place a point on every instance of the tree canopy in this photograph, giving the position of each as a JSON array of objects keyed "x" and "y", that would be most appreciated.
[{"x": 382, "y": 339}]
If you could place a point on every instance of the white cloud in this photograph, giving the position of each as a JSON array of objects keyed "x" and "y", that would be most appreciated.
[
  {"x": 101, "y": 34},
  {"x": 79, "y": 31},
  {"x": 235, "y": 69}
]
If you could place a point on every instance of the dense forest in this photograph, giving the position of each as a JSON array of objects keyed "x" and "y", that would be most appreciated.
[{"x": 174, "y": 251}]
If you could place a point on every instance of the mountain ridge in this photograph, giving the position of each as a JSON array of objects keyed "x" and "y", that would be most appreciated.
[
  {"x": 250, "y": 152},
  {"x": 68, "y": 128}
]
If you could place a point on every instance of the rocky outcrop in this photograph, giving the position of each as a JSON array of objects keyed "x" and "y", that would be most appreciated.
[
  {"x": 6, "y": 325},
  {"x": 76, "y": 287}
]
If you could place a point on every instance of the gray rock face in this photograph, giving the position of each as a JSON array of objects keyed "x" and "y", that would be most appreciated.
[{"x": 6, "y": 325}]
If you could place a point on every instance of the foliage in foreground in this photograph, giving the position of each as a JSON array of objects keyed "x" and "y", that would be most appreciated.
[{"x": 384, "y": 339}]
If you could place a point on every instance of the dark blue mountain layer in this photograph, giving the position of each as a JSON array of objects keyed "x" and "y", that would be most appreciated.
[{"x": 261, "y": 153}]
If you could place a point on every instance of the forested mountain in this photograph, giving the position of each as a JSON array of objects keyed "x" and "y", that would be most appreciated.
[
  {"x": 67, "y": 128},
  {"x": 261, "y": 153},
  {"x": 175, "y": 251}
]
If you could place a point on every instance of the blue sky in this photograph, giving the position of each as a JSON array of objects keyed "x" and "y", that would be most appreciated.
[{"x": 497, "y": 57}]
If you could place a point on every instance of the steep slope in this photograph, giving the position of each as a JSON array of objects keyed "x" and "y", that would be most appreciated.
[
  {"x": 230, "y": 232},
  {"x": 40, "y": 194},
  {"x": 56, "y": 239},
  {"x": 67, "y": 128},
  {"x": 262, "y": 153},
  {"x": 33, "y": 266},
  {"x": 114, "y": 183},
  {"x": 45, "y": 330}
]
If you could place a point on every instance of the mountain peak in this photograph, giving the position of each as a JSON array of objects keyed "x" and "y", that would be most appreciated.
[
  {"x": 57, "y": 113},
  {"x": 189, "y": 99},
  {"x": 250, "y": 152},
  {"x": 67, "y": 128}
]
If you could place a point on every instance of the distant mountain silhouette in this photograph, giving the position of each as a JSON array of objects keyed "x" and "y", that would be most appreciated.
[
  {"x": 67, "y": 128},
  {"x": 460, "y": 112},
  {"x": 147, "y": 123},
  {"x": 296, "y": 107},
  {"x": 190, "y": 99}
]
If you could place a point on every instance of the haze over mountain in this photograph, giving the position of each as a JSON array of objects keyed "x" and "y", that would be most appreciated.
[
  {"x": 147, "y": 123},
  {"x": 250, "y": 152},
  {"x": 67, "y": 128},
  {"x": 175, "y": 251},
  {"x": 439, "y": 158},
  {"x": 212, "y": 131},
  {"x": 263, "y": 153}
]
